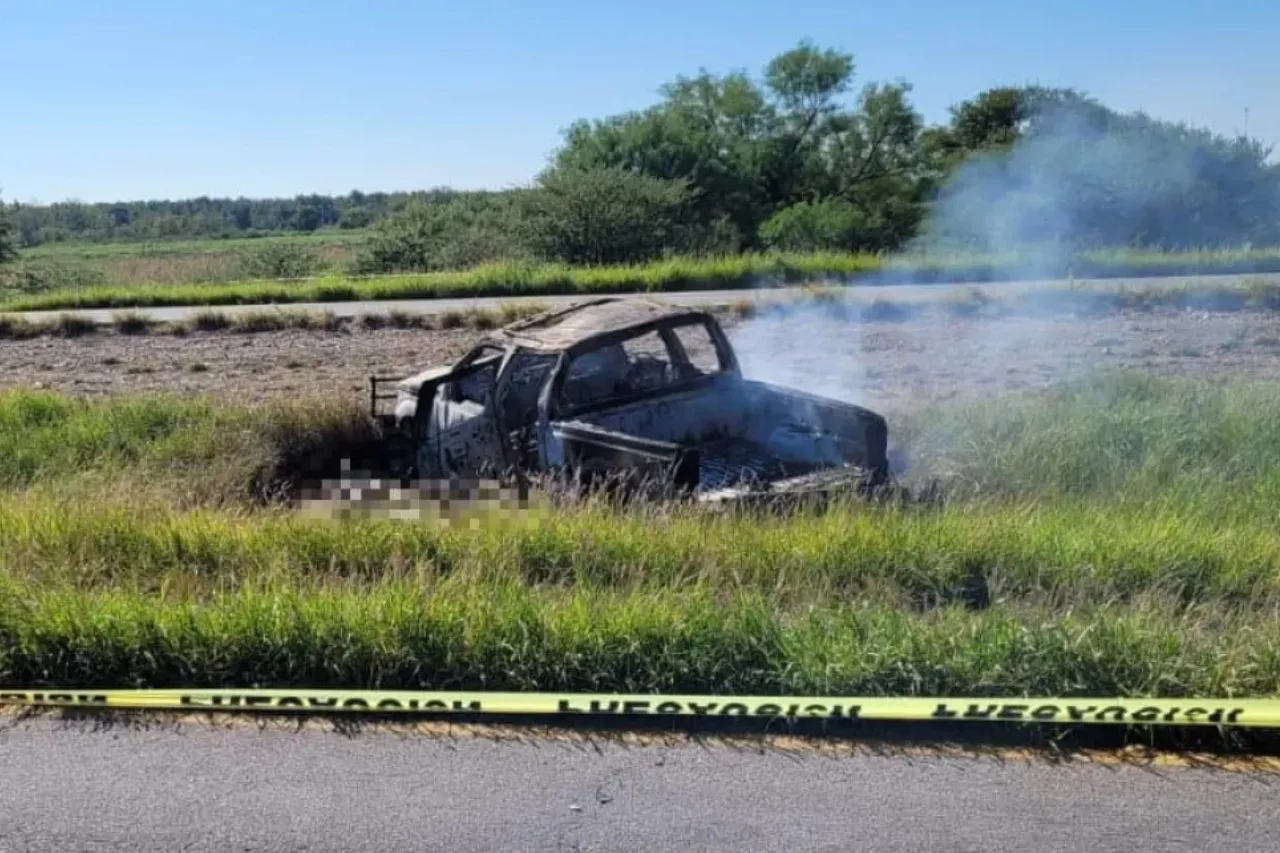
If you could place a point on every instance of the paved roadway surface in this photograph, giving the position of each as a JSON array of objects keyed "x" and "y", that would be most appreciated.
[
  {"x": 900, "y": 292},
  {"x": 195, "y": 788}
]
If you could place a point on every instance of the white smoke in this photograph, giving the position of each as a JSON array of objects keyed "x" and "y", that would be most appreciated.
[
  {"x": 1074, "y": 183},
  {"x": 807, "y": 346},
  {"x": 1079, "y": 179}
]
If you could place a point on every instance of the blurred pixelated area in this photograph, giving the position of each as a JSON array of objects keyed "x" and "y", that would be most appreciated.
[{"x": 357, "y": 493}]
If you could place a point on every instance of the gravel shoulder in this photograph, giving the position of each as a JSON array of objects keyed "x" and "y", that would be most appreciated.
[{"x": 881, "y": 364}]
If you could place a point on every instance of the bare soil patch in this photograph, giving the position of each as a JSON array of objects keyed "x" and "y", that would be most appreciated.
[
  {"x": 886, "y": 365},
  {"x": 255, "y": 366}
]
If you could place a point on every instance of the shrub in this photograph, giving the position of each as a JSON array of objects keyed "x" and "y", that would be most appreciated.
[
  {"x": 430, "y": 236},
  {"x": 74, "y": 326},
  {"x": 30, "y": 277},
  {"x": 132, "y": 323},
  {"x": 8, "y": 251},
  {"x": 604, "y": 216},
  {"x": 260, "y": 321},
  {"x": 280, "y": 260},
  {"x": 211, "y": 321},
  {"x": 811, "y": 226},
  {"x": 20, "y": 329}
]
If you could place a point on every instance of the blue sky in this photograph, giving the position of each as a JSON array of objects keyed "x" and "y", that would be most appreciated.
[{"x": 140, "y": 99}]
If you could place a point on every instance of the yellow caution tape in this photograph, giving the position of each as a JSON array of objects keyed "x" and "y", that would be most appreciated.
[{"x": 1253, "y": 713}]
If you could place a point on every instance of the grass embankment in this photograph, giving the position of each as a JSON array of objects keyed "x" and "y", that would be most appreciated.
[
  {"x": 544, "y": 279},
  {"x": 1115, "y": 538}
]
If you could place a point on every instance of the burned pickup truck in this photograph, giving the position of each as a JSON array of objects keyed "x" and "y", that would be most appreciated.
[{"x": 622, "y": 387}]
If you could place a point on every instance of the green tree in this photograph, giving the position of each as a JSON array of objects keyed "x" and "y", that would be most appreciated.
[
  {"x": 355, "y": 217},
  {"x": 706, "y": 134},
  {"x": 428, "y": 235},
  {"x": 604, "y": 215},
  {"x": 1041, "y": 167},
  {"x": 8, "y": 251},
  {"x": 812, "y": 226},
  {"x": 994, "y": 120},
  {"x": 747, "y": 149},
  {"x": 871, "y": 158},
  {"x": 805, "y": 84}
]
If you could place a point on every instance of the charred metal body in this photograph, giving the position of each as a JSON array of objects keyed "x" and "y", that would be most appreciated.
[{"x": 631, "y": 387}]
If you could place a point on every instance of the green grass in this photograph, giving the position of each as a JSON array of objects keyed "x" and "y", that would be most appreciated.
[
  {"x": 524, "y": 279},
  {"x": 192, "y": 450},
  {"x": 489, "y": 280},
  {"x": 394, "y": 634},
  {"x": 1091, "y": 556},
  {"x": 159, "y": 248},
  {"x": 1112, "y": 537},
  {"x": 590, "y": 603},
  {"x": 1113, "y": 436},
  {"x": 57, "y": 267}
]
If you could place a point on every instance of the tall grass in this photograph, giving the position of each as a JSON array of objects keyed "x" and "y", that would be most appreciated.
[
  {"x": 1109, "y": 435},
  {"x": 675, "y": 274},
  {"x": 910, "y": 558},
  {"x": 466, "y": 636},
  {"x": 194, "y": 447},
  {"x": 1112, "y": 536},
  {"x": 1194, "y": 445}
]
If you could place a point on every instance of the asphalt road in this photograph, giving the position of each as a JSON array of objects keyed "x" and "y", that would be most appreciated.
[
  {"x": 899, "y": 292},
  {"x": 242, "y": 789}
]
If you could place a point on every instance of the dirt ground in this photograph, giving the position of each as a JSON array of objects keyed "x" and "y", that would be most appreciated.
[{"x": 886, "y": 364}]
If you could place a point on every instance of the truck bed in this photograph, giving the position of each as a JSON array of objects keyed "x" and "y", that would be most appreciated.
[
  {"x": 743, "y": 431},
  {"x": 731, "y": 462}
]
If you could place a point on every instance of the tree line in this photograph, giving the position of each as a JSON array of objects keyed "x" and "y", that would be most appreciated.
[
  {"x": 206, "y": 218},
  {"x": 794, "y": 159}
]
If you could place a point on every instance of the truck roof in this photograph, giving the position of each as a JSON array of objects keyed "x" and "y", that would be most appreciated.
[{"x": 563, "y": 328}]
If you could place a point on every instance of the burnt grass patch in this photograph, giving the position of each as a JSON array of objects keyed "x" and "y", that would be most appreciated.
[{"x": 303, "y": 453}]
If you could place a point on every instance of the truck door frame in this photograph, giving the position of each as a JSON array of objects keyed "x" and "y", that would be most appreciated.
[{"x": 426, "y": 428}]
